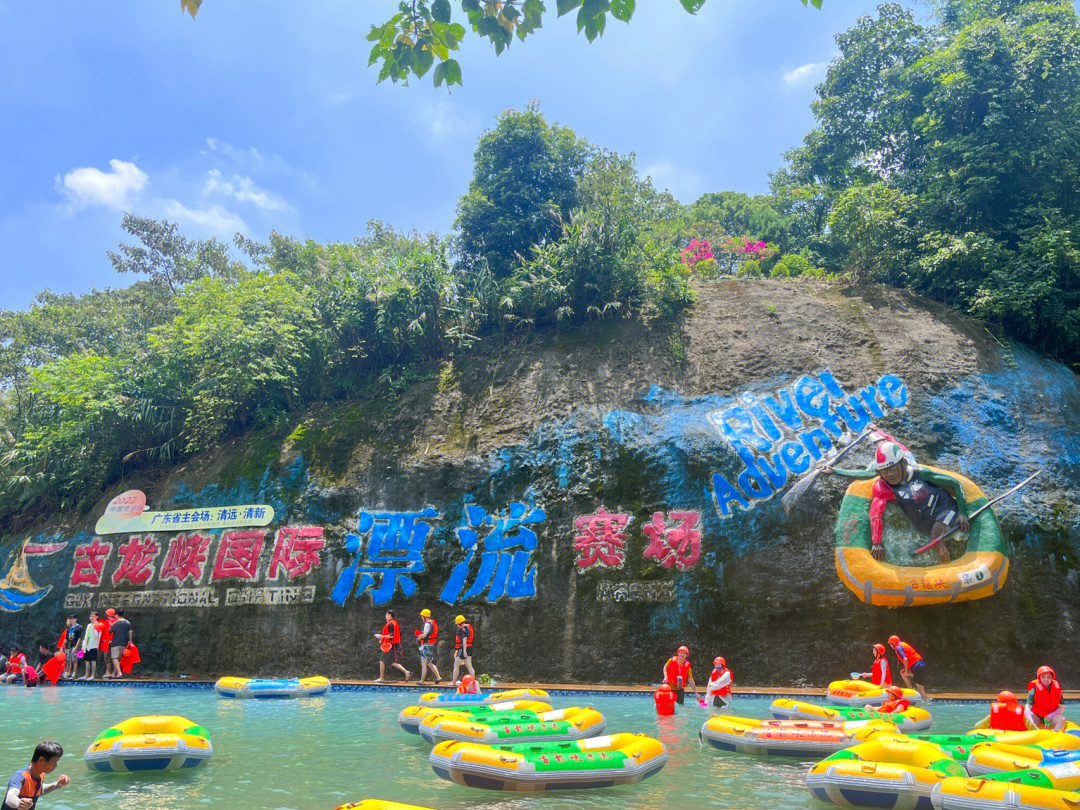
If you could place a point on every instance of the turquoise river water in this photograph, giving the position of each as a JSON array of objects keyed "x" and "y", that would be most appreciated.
[{"x": 318, "y": 753}]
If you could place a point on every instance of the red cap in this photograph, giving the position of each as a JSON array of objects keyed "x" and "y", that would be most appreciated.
[
  {"x": 1045, "y": 670},
  {"x": 683, "y": 649},
  {"x": 110, "y": 612},
  {"x": 895, "y": 691},
  {"x": 719, "y": 662},
  {"x": 879, "y": 649}
]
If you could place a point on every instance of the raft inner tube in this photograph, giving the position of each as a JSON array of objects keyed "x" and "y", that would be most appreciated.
[
  {"x": 149, "y": 743},
  {"x": 439, "y": 699},
  {"x": 558, "y": 725},
  {"x": 262, "y": 688},
  {"x": 859, "y": 693},
  {"x": 804, "y": 739}
]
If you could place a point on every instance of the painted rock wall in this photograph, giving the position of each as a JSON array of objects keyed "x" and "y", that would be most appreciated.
[{"x": 592, "y": 500}]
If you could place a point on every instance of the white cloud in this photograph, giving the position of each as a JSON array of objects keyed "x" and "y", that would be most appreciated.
[
  {"x": 89, "y": 186},
  {"x": 243, "y": 189},
  {"x": 686, "y": 184},
  {"x": 214, "y": 220},
  {"x": 805, "y": 74}
]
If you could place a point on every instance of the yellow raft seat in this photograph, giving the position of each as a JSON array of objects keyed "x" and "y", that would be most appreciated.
[
  {"x": 559, "y": 725},
  {"x": 411, "y": 717},
  {"x": 894, "y": 772},
  {"x": 436, "y": 700},
  {"x": 1052, "y": 788},
  {"x": 618, "y": 759},
  {"x": 910, "y": 720},
  {"x": 804, "y": 739},
  {"x": 378, "y": 804},
  {"x": 859, "y": 693},
  {"x": 157, "y": 742}
]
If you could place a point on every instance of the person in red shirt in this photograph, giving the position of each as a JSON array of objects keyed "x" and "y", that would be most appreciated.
[
  {"x": 879, "y": 674},
  {"x": 390, "y": 643},
  {"x": 895, "y": 703},
  {"x": 678, "y": 676}
]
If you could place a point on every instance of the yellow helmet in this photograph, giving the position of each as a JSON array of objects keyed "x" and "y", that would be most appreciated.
[
  {"x": 459, "y": 620},
  {"x": 425, "y": 613}
]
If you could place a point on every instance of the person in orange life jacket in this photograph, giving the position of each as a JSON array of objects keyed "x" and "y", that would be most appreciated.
[
  {"x": 879, "y": 674},
  {"x": 463, "y": 644},
  {"x": 468, "y": 686},
  {"x": 664, "y": 698},
  {"x": 718, "y": 689},
  {"x": 28, "y": 784},
  {"x": 16, "y": 662},
  {"x": 1043, "y": 706},
  {"x": 912, "y": 665},
  {"x": 390, "y": 643},
  {"x": 933, "y": 502},
  {"x": 678, "y": 676},
  {"x": 895, "y": 703},
  {"x": 1006, "y": 715},
  {"x": 428, "y": 636}
]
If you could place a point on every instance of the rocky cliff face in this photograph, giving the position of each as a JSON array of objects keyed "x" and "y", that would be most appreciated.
[{"x": 592, "y": 500}]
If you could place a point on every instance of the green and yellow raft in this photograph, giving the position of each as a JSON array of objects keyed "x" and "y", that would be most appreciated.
[
  {"x": 618, "y": 759},
  {"x": 979, "y": 573}
]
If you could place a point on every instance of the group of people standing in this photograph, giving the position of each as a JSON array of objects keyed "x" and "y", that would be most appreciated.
[
  {"x": 109, "y": 639},
  {"x": 427, "y": 637},
  {"x": 678, "y": 675}
]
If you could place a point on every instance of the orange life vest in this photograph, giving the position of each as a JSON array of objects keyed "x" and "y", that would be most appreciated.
[
  {"x": 393, "y": 630},
  {"x": 16, "y": 664},
  {"x": 1044, "y": 701},
  {"x": 1007, "y": 717},
  {"x": 468, "y": 641},
  {"x": 665, "y": 702},
  {"x": 906, "y": 653},
  {"x": 894, "y": 706},
  {"x": 31, "y": 786},
  {"x": 723, "y": 691},
  {"x": 880, "y": 674},
  {"x": 675, "y": 674},
  {"x": 434, "y": 633}
]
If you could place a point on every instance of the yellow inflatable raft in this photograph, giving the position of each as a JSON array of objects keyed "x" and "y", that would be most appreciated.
[
  {"x": 979, "y": 573},
  {"x": 859, "y": 693},
  {"x": 894, "y": 772},
  {"x": 804, "y": 739},
  {"x": 272, "y": 687},
  {"x": 155, "y": 742},
  {"x": 913, "y": 719},
  {"x": 378, "y": 804},
  {"x": 436, "y": 700},
  {"x": 619, "y": 759},
  {"x": 559, "y": 725},
  {"x": 411, "y": 716},
  {"x": 1052, "y": 788}
]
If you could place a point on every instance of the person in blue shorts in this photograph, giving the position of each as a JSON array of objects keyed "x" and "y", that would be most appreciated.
[{"x": 28, "y": 784}]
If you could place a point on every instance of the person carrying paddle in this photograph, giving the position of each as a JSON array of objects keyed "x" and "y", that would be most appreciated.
[{"x": 933, "y": 502}]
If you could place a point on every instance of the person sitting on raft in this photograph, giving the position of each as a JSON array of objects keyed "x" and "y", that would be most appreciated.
[
  {"x": 718, "y": 689},
  {"x": 677, "y": 675},
  {"x": 879, "y": 674},
  {"x": 934, "y": 502},
  {"x": 468, "y": 686},
  {"x": 1043, "y": 706},
  {"x": 1006, "y": 715},
  {"x": 896, "y": 702}
]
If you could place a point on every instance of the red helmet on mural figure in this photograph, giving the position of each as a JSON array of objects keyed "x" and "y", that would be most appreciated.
[
  {"x": 888, "y": 454},
  {"x": 1006, "y": 697},
  {"x": 879, "y": 649},
  {"x": 894, "y": 640},
  {"x": 683, "y": 649},
  {"x": 719, "y": 662}
]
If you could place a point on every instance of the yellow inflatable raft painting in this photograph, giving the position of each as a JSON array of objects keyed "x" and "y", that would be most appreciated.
[
  {"x": 1052, "y": 788},
  {"x": 894, "y": 772},
  {"x": 559, "y": 725},
  {"x": 908, "y": 721},
  {"x": 619, "y": 759},
  {"x": 979, "y": 573},
  {"x": 377, "y": 804},
  {"x": 436, "y": 700},
  {"x": 803, "y": 739},
  {"x": 411, "y": 717},
  {"x": 155, "y": 742},
  {"x": 860, "y": 693}
]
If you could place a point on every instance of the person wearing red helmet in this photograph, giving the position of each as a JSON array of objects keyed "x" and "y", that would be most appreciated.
[
  {"x": 678, "y": 676},
  {"x": 912, "y": 665},
  {"x": 895, "y": 703},
  {"x": 1006, "y": 715},
  {"x": 932, "y": 501},
  {"x": 718, "y": 689},
  {"x": 468, "y": 686},
  {"x": 1043, "y": 706},
  {"x": 879, "y": 674}
]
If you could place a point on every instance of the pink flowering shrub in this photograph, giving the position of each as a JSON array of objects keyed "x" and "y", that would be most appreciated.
[{"x": 697, "y": 251}]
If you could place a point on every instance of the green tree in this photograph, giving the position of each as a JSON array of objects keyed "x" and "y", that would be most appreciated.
[
  {"x": 524, "y": 184},
  {"x": 425, "y": 33}
]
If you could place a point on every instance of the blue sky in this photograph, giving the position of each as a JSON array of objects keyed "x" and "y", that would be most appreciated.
[{"x": 264, "y": 116}]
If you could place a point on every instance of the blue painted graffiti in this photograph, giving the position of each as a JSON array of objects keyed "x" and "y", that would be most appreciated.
[
  {"x": 504, "y": 567},
  {"x": 780, "y": 437},
  {"x": 395, "y": 547}
]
